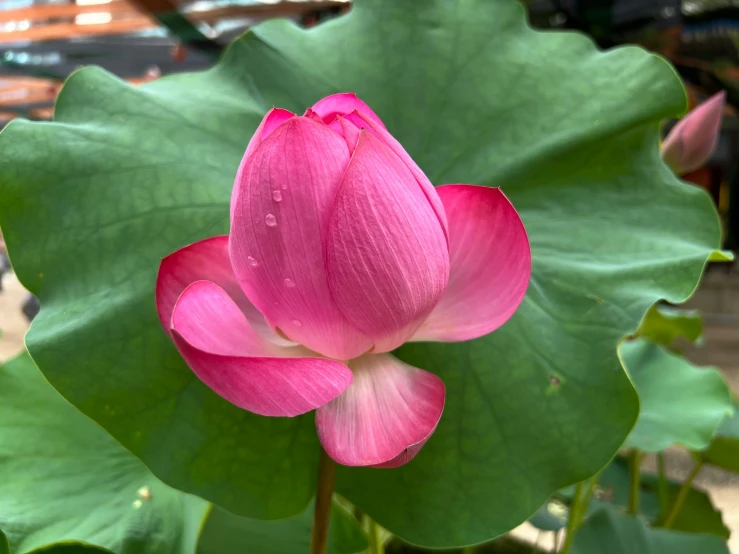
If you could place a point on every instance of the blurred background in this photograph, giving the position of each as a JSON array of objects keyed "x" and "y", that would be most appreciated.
[{"x": 43, "y": 41}]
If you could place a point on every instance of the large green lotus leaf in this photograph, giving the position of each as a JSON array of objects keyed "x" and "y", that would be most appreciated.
[
  {"x": 91, "y": 202},
  {"x": 724, "y": 448},
  {"x": 64, "y": 480},
  {"x": 679, "y": 402},
  {"x": 225, "y": 533},
  {"x": 610, "y": 532}
]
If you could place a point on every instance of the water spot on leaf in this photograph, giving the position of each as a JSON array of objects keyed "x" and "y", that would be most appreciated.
[{"x": 144, "y": 493}]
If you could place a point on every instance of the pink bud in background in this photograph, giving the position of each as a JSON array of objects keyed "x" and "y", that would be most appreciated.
[
  {"x": 692, "y": 141},
  {"x": 340, "y": 251}
]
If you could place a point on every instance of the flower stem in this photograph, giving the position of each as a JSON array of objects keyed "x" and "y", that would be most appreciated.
[
  {"x": 634, "y": 481},
  {"x": 589, "y": 493},
  {"x": 324, "y": 494},
  {"x": 574, "y": 517},
  {"x": 682, "y": 495},
  {"x": 662, "y": 486}
]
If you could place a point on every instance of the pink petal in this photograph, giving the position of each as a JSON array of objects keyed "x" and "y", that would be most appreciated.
[
  {"x": 336, "y": 105},
  {"x": 278, "y": 232},
  {"x": 204, "y": 260},
  {"x": 386, "y": 252},
  {"x": 490, "y": 265},
  {"x": 348, "y": 131},
  {"x": 310, "y": 114},
  {"x": 273, "y": 119},
  {"x": 215, "y": 340},
  {"x": 208, "y": 319},
  {"x": 386, "y": 415},
  {"x": 361, "y": 120},
  {"x": 692, "y": 141}
]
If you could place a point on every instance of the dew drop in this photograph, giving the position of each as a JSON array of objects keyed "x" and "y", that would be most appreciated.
[
  {"x": 289, "y": 283},
  {"x": 277, "y": 195},
  {"x": 284, "y": 186},
  {"x": 270, "y": 220},
  {"x": 252, "y": 261},
  {"x": 297, "y": 323}
]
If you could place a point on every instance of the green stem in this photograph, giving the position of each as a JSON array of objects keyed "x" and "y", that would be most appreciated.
[
  {"x": 682, "y": 495},
  {"x": 589, "y": 493},
  {"x": 375, "y": 538},
  {"x": 324, "y": 494},
  {"x": 662, "y": 485},
  {"x": 573, "y": 518},
  {"x": 634, "y": 481}
]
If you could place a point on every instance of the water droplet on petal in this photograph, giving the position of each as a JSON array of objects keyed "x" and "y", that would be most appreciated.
[
  {"x": 270, "y": 220},
  {"x": 284, "y": 186},
  {"x": 297, "y": 323},
  {"x": 289, "y": 283},
  {"x": 252, "y": 261},
  {"x": 277, "y": 195}
]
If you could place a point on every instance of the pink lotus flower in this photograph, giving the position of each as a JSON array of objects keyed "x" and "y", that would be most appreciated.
[
  {"x": 692, "y": 141},
  {"x": 340, "y": 251}
]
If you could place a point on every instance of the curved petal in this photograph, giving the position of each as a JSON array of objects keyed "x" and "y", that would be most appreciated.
[
  {"x": 336, "y": 105},
  {"x": 273, "y": 119},
  {"x": 310, "y": 114},
  {"x": 383, "y": 134},
  {"x": 215, "y": 340},
  {"x": 208, "y": 319},
  {"x": 490, "y": 265},
  {"x": 278, "y": 234},
  {"x": 348, "y": 131},
  {"x": 692, "y": 141},
  {"x": 387, "y": 256},
  {"x": 205, "y": 260},
  {"x": 386, "y": 415}
]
